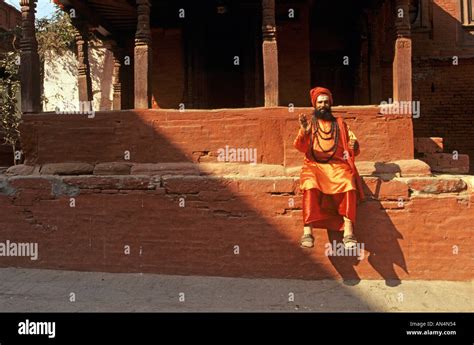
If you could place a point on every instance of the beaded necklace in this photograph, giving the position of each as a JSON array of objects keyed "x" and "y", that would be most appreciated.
[{"x": 334, "y": 131}]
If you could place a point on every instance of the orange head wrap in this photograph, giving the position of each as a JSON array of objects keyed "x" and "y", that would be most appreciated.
[
  {"x": 59, "y": 4},
  {"x": 314, "y": 93}
]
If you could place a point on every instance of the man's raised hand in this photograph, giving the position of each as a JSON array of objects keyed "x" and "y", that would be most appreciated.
[{"x": 304, "y": 123}]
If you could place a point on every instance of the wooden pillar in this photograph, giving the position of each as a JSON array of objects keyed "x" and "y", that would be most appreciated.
[
  {"x": 83, "y": 70},
  {"x": 30, "y": 64},
  {"x": 270, "y": 53},
  {"x": 117, "y": 77},
  {"x": 143, "y": 55},
  {"x": 402, "y": 69}
]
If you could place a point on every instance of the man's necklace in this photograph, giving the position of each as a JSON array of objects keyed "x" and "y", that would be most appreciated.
[
  {"x": 319, "y": 128},
  {"x": 334, "y": 131}
]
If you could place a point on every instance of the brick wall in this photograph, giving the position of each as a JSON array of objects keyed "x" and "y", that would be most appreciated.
[
  {"x": 190, "y": 224},
  {"x": 9, "y": 16},
  {"x": 445, "y": 89},
  {"x": 195, "y": 135},
  {"x": 447, "y": 103}
]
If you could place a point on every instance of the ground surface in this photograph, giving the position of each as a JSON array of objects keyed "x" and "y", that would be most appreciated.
[{"x": 32, "y": 290}]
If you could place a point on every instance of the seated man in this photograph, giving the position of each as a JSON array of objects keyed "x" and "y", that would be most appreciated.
[{"x": 329, "y": 179}]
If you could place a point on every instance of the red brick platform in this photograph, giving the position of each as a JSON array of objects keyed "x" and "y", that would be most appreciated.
[
  {"x": 152, "y": 136},
  {"x": 187, "y": 219},
  {"x": 173, "y": 209}
]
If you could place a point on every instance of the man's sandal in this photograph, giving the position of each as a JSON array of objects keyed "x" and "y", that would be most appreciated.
[
  {"x": 307, "y": 241},
  {"x": 349, "y": 241}
]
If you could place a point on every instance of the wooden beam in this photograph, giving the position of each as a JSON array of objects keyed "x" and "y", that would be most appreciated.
[{"x": 84, "y": 12}]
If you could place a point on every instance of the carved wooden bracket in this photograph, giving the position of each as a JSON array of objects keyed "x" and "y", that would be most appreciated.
[
  {"x": 268, "y": 20},
  {"x": 143, "y": 34},
  {"x": 28, "y": 40}
]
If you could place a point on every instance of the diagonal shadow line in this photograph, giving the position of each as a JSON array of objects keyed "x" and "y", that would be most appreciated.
[{"x": 178, "y": 244}]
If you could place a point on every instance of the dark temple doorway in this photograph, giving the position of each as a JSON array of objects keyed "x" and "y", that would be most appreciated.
[
  {"x": 222, "y": 47},
  {"x": 338, "y": 37}
]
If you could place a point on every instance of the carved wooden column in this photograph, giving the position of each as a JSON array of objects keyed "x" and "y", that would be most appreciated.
[
  {"x": 117, "y": 77},
  {"x": 30, "y": 65},
  {"x": 270, "y": 53},
  {"x": 83, "y": 70},
  {"x": 402, "y": 69},
  {"x": 143, "y": 56}
]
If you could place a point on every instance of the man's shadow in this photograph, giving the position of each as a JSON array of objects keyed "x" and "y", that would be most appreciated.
[
  {"x": 344, "y": 264},
  {"x": 375, "y": 230}
]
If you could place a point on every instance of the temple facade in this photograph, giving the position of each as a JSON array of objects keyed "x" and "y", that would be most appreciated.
[
  {"x": 238, "y": 54},
  {"x": 264, "y": 53},
  {"x": 9, "y": 18},
  {"x": 193, "y": 78}
]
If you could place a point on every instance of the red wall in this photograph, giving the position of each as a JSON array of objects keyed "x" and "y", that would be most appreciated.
[
  {"x": 416, "y": 239},
  {"x": 172, "y": 136},
  {"x": 444, "y": 89},
  {"x": 447, "y": 100}
]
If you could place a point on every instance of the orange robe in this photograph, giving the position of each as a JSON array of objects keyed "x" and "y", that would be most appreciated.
[{"x": 330, "y": 190}]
